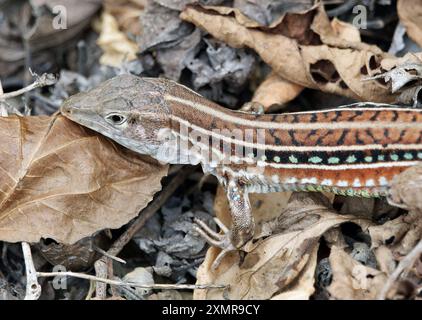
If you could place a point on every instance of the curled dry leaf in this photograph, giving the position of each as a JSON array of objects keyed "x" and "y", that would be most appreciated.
[
  {"x": 407, "y": 187},
  {"x": 274, "y": 90},
  {"x": 59, "y": 180},
  {"x": 305, "y": 48},
  {"x": 115, "y": 44},
  {"x": 401, "y": 234},
  {"x": 404, "y": 76},
  {"x": 281, "y": 263},
  {"x": 126, "y": 13},
  {"x": 78, "y": 256},
  {"x": 410, "y": 14},
  {"x": 351, "y": 279}
]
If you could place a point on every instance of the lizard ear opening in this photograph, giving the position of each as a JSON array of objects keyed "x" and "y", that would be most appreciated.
[{"x": 116, "y": 118}]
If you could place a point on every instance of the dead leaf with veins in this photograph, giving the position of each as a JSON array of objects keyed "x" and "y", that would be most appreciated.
[
  {"x": 282, "y": 260},
  {"x": 305, "y": 48},
  {"x": 351, "y": 279},
  {"x": 59, "y": 180}
]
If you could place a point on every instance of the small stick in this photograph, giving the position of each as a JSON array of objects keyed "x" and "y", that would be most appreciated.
[
  {"x": 101, "y": 265},
  {"x": 405, "y": 263},
  {"x": 105, "y": 253},
  {"x": 129, "y": 284},
  {"x": 3, "y": 109},
  {"x": 47, "y": 79},
  {"x": 150, "y": 210},
  {"x": 33, "y": 289}
]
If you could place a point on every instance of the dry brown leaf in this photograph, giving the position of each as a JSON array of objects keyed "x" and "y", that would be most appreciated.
[
  {"x": 400, "y": 234},
  {"x": 281, "y": 264},
  {"x": 410, "y": 14},
  {"x": 303, "y": 287},
  {"x": 116, "y": 45},
  {"x": 345, "y": 30},
  {"x": 304, "y": 48},
  {"x": 351, "y": 279},
  {"x": 404, "y": 77},
  {"x": 126, "y": 13},
  {"x": 406, "y": 188},
  {"x": 59, "y": 180},
  {"x": 274, "y": 90},
  {"x": 385, "y": 259}
]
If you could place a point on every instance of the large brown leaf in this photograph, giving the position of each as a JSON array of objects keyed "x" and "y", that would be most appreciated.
[
  {"x": 305, "y": 48},
  {"x": 62, "y": 181},
  {"x": 410, "y": 14}
]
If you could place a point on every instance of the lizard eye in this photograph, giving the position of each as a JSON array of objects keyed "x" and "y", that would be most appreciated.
[{"x": 116, "y": 119}]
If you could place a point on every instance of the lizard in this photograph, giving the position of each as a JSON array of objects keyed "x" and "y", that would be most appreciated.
[{"x": 355, "y": 150}]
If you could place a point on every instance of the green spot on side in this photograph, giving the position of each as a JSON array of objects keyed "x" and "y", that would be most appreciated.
[
  {"x": 394, "y": 157},
  {"x": 293, "y": 159},
  {"x": 311, "y": 188},
  {"x": 365, "y": 194},
  {"x": 277, "y": 159},
  {"x": 341, "y": 192},
  {"x": 420, "y": 155},
  {"x": 381, "y": 157},
  {"x": 368, "y": 159},
  {"x": 350, "y": 192},
  {"x": 315, "y": 159},
  {"x": 408, "y": 156},
  {"x": 351, "y": 159},
  {"x": 333, "y": 160},
  {"x": 319, "y": 188}
]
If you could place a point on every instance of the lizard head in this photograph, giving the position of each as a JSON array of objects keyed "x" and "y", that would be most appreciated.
[{"x": 128, "y": 109}]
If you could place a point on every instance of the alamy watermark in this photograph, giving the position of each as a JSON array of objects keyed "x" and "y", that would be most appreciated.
[
  {"x": 60, "y": 18},
  {"x": 59, "y": 282},
  {"x": 214, "y": 148},
  {"x": 360, "y": 20}
]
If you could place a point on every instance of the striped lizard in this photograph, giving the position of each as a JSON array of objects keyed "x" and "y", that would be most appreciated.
[{"x": 355, "y": 150}]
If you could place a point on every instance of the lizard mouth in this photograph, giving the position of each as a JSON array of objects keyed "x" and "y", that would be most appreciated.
[{"x": 72, "y": 114}]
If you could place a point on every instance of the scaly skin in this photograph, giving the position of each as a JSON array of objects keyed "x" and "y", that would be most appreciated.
[{"x": 355, "y": 150}]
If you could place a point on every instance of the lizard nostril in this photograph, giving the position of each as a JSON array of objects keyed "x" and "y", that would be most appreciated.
[{"x": 66, "y": 110}]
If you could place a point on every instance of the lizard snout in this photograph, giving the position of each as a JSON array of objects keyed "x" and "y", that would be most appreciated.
[{"x": 65, "y": 110}]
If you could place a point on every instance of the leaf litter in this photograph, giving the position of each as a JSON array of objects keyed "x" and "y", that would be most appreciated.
[{"x": 64, "y": 187}]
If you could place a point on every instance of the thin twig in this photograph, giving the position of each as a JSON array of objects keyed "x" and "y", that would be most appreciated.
[
  {"x": 105, "y": 253},
  {"x": 404, "y": 264},
  {"x": 47, "y": 79},
  {"x": 33, "y": 289},
  {"x": 130, "y": 284},
  {"x": 3, "y": 109},
  {"x": 102, "y": 265}
]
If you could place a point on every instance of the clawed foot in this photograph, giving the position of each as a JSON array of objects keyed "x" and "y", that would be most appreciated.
[
  {"x": 222, "y": 241},
  {"x": 253, "y": 107}
]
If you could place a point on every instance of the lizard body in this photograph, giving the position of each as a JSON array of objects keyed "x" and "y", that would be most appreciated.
[{"x": 356, "y": 150}]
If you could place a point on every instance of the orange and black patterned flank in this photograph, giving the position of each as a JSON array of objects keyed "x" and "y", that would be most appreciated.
[{"x": 355, "y": 150}]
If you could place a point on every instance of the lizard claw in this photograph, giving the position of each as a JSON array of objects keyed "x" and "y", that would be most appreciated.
[{"x": 222, "y": 241}]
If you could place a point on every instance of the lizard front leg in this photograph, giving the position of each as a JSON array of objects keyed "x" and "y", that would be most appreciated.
[{"x": 243, "y": 224}]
